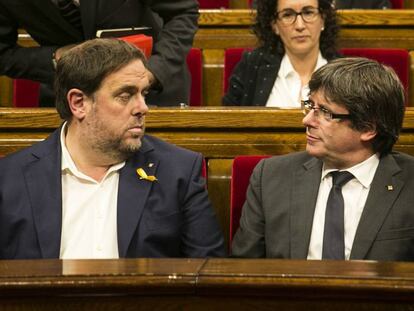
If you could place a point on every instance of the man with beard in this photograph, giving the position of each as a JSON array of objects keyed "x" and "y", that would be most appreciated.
[{"x": 98, "y": 187}]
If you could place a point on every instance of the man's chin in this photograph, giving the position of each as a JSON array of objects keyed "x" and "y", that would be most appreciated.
[
  {"x": 314, "y": 151},
  {"x": 132, "y": 147}
]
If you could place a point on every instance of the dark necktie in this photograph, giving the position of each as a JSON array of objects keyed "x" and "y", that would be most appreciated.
[
  {"x": 333, "y": 235},
  {"x": 70, "y": 12}
]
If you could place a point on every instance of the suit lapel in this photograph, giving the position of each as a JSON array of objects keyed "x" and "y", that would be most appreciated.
[
  {"x": 133, "y": 193},
  {"x": 306, "y": 185},
  {"x": 43, "y": 180},
  {"x": 385, "y": 188}
]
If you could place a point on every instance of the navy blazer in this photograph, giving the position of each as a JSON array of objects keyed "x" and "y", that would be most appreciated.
[
  {"x": 171, "y": 217},
  {"x": 173, "y": 25}
]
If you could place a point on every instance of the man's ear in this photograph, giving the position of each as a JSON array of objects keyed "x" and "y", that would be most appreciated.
[
  {"x": 77, "y": 103},
  {"x": 369, "y": 134}
]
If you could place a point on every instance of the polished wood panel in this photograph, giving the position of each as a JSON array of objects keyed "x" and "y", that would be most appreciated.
[
  {"x": 346, "y": 18},
  {"x": 205, "y": 284}
]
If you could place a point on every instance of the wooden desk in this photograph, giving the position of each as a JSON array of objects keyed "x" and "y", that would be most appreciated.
[
  {"x": 205, "y": 284},
  {"x": 219, "y": 133}
]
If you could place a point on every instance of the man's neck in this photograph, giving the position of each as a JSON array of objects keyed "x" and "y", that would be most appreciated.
[
  {"x": 352, "y": 160},
  {"x": 304, "y": 65},
  {"x": 88, "y": 161}
]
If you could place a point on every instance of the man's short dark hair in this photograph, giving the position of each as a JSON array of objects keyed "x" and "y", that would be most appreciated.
[
  {"x": 86, "y": 65},
  {"x": 371, "y": 92}
]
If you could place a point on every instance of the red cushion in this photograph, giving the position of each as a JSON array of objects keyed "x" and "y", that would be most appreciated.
[
  {"x": 397, "y": 4},
  {"x": 398, "y": 59},
  {"x": 195, "y": 66},
  {"x": 232, "y": 56},
  {"x": 240, "y": 176},
  {"x": 213, "y": 4},
  {"x": 204, "y": 169},
  {"x": 25, "y": 93}
]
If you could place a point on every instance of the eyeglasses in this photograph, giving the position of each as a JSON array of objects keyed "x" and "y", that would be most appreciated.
[
  {"x": 308, "y": 106},
  {"x": 289, "y": 16}
]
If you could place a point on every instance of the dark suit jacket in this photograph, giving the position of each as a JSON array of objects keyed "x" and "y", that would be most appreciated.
[
  {"x": 174, "y": 24},
  {"x": 171, "y": 217},
  {"x": 362, "y": 4},
  {"x": 253, "y": 78},
  {"x": 278, "y": 214}
]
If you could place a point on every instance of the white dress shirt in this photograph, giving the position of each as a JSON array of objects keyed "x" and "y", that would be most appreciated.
[
  {"x": 287, "y": 92},
  {"x": 355, "y": 193},
  {"x": 89, "y": 211}
]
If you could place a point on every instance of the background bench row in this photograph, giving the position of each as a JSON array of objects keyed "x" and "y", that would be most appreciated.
[{"x": 220, "y": 30}]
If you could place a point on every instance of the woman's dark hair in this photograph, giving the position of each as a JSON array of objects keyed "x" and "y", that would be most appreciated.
[{"x": 266, "y": 15}]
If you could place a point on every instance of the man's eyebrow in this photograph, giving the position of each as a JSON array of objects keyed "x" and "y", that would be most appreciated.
[{"x": 126, "y": 89}]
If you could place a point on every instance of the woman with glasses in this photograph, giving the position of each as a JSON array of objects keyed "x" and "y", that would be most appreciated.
[{"x": 296, "y": 37}]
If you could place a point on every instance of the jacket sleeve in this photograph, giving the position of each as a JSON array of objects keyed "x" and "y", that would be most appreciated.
[
  {"x": 202, "y": 236},
  {"x": 180, "y": 22},
  {"x": 34, "y": 63}
]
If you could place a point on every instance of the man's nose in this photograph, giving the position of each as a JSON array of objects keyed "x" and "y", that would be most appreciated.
[{"x": 140, "y": 106}]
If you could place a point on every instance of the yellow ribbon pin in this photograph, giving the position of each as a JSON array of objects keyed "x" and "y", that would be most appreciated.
[{"x": 142, "y": 175}]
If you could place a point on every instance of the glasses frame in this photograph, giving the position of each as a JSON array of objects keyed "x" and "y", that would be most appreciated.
[
  {"x": 308, "y": 106},
  {"x": 296, "y": 15}
]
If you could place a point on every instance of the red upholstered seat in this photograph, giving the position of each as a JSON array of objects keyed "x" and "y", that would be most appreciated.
[
  {"x": 25, "y": 93},
  {"x": 213, "y": 4},
  {"x": 397, "y": 4},
  {"x": 231, "y": 58},
  {"x": 241, "y": 171},
  {"x": 398, "y": 59},
  {"x": 195, "y": 66},
  {"x": 204, "y": 170}
]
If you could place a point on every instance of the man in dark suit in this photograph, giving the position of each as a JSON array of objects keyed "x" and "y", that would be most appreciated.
[
  {"x": 362, "y": 4},
  {"x": 298, "y": 207},
  {"x": 173, "y": 25},
  {"x": 98, "y": 187}
]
